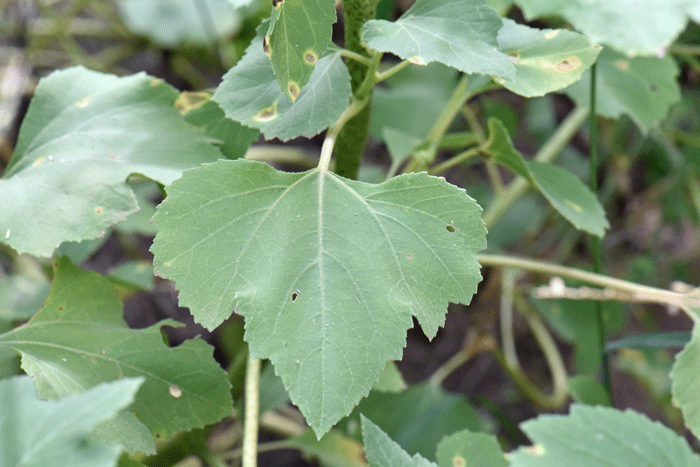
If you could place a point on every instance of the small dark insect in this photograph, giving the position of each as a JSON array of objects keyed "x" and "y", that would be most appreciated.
[{"x": 277, "y": 2}]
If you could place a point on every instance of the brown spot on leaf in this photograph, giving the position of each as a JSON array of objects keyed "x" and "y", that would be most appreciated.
[
  {"x": 293, "y": 90},
  {"x": 459, "y": 461},
  {"x": 623, "y": 65},
  {"x": 568, "y": 64},
  {"x": 266, "y": 47},
  {"x": 99, "y": 210},
  {"x": 310, "y": 57},
  {"x": 267, "y": 114},
  {"x": 417, "y": 60}
]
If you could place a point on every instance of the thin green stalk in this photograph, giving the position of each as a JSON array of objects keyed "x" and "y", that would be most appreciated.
[
  {"x": 688, "y": 49},
  {"x": 333, "y": 132},
  {"x": 508, "y": 277},
  {"x": 386, "y": 74},
  {"x": 252, "y": 409},
  {"x": 456, "y": 160},
  {"x": 450, "y": 111},
  {"x": 614, "y": 289},
  {"x": 547, "y": 153},
  {"x": 594, "y": 240}
]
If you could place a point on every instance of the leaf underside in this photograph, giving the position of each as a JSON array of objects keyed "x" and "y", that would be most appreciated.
[{"x": 306, "y": 257}]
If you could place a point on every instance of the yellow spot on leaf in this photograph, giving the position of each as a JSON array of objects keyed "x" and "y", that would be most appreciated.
[
  {"x": 498, "y": 80},
  {"x": 83, "y": 103},
  {"x": 416, "y": 60},
  {"x": 568, "y": 64},
  {"x": 623, "y": 65},
  {"x": 99, "y": 210},
  {"x": 175, "y": 391},
  {"x": 188, "y": 101},
  {"x": 573, "y": 205},
  {"x": 38, "y": 161},
  {"x": 310, "y": 57},
  {"x": 551, "y": 34},
  {"x": 458, "y": 461},
  {"x": 155, "y": 82},
  {"x": 267, "y": 114},
  {"x": 293, "y": 90}
]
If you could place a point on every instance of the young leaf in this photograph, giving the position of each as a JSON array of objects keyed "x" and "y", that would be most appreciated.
[
  {"x": 601, "y": 436},
  {"x": 643, "y": 88},
  {"x": 249, "y": 94},
  {"x": 37, "y": 433},
  {"x": 417, "y": 418},
  {"x": 458, "y": 33},
  {"x": 465, "y": 448},
  {"x": 299, "y": 33},
  {"x": 565, "y": 192},
  {"x": 72, "y": 345},
  {"x": 632, "y": 27},
  {"x": 232, "y": 138},
  {"x": 84, "y": 134},
  {"x": 545, "y": 60},
  {"x": 382, "y": 451},
  {"x": 307, "y": 256}
]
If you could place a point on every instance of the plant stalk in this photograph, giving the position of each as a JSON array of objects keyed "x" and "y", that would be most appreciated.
[
  {"x": 252, "y": 408},
  {"x": 352, "y": 138}
]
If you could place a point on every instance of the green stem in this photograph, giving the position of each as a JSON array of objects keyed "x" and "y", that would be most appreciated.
[
  {"x": 687, "y": 49},
  {"x": 379, "y": 77},
  {"x": 627, "y": 291},
  {"x": 252, "y": 409},
  {"x": 456, "y": 160},
  {"x": 594, "y": 240},
  {"x": 547, "y": 153},
  {"x": 333, "y": 132},
  {"x": 353, "y": 136}
]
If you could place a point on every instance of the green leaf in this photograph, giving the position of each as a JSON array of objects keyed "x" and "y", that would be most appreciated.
[
  {"x": 170, "y": 23},
  {"x": 400, "y": 145},
  {"x": 390, "y": 380},
  {"x": 601, "y": 436},
  {"x": 381, "y": 451},
  {"x": 232, "y": 138},
  {"x": 644, "y": 88},
  {"x": 635, "y": 28},
  {"x": 652, "y": 340},
  {"x": 417, "y": 418},
  {"x": 470, "y": 449},
  {"x": 458, "y": 33},
  {"x": 37, "y": 433},
  {"x": 684, "y": 378},
  {"x": 72, "y": 345},
  {"x": 545, "y": 60},
  {"x": 299, "y": 33},
  {"x": 84, "y": 134},
  {"x": 289, "y": 252},
  {"x": 564, "y": 191},
  {"x": 249, "y": 94}
]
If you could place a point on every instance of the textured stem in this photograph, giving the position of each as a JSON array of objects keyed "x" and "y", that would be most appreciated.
[{"x": 352, "y": 138}]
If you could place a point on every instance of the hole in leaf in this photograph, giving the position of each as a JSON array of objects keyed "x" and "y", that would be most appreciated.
[
  {"x": 450, "y": 228},
  {"x": 310, "y": 57},
  {"x": 276, "y": 3},
  {"x": 295, "y": 295},
  {"x": 175, "y": 391}
]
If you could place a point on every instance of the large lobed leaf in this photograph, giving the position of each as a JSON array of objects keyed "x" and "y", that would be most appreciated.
[
  {"x": 458, "y": 33},
  {"x": 83, "y": 135},
  {"x": 299, "y": 33},
  {"x": 250, "y": 94},
  {"x": 685, "y": 377},
  {"x": 307, "y": 257},
  {"x": 79, "y": 340},
  {"x": 601, "y": 437},
  {"x": 634, "y": 27},
  {"x": 39, "y": 433}
]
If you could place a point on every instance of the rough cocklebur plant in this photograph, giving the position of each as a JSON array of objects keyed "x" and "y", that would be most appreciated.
[{"x": 327, "y": 271}]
